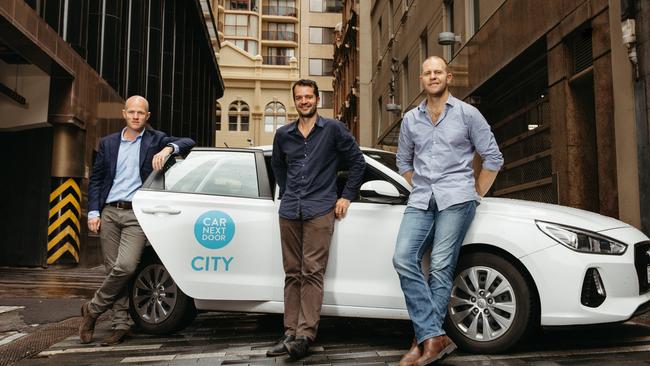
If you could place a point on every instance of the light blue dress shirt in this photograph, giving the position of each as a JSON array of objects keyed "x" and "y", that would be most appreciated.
[
  {"x": 440, "y": 154},
  {"x": 127, "y": 171}
]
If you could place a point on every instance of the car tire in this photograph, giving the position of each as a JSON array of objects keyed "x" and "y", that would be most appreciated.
[
  {"x": 156, "y": 304},
  {"x": 492, "y": 307}
]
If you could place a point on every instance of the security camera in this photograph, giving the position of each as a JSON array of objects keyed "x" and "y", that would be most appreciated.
[{"x": 448, "y": 38}]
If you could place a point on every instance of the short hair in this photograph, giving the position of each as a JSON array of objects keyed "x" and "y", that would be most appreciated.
[
  {"x": 430, "y": 58},
  {"x": 304, "y": 82}
]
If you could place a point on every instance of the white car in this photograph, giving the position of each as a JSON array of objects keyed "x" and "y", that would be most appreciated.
[{"x": 212, "y": 221}]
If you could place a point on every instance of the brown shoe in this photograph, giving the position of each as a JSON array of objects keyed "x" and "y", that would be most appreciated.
[
  {"x": 435, "y": 349},
  {"x": 412, "y": 355},
  {"x": 87, "y": 326},
  {"x": 115, "y": 338}
]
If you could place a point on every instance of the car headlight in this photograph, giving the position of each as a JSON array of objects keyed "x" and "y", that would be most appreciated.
[{"x": 581, "y": 240}]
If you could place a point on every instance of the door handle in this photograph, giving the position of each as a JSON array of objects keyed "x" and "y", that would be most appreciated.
[{"x": 160, "y": 210}]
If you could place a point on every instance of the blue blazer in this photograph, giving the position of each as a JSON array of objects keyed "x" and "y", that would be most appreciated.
[{"x": 103, "y": 173}]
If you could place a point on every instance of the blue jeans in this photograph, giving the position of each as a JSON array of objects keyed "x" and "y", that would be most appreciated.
[{"x": 443, "y": 232}]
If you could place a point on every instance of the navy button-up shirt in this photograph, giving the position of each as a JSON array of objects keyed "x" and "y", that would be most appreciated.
[
  {"x": 305, "y": 168},
  {"x": 440, "y": 153}
]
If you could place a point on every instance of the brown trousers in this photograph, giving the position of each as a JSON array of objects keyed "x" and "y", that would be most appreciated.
[{"x": 305, "y": 251}]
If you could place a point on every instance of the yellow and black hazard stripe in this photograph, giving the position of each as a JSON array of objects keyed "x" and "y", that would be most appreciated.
[{"x": 63, "y": 230}]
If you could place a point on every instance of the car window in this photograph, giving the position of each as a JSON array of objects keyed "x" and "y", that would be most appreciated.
[
  {"x": 386, "y": 158},
  {"x": 215, "y": 172}
]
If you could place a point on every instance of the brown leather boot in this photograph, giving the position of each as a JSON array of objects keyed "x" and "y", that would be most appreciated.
[
  {"x": 435, "y": 349},
  {"x": 87, "y": 326},
  {"x": 116, "y": 337},
  {"x": 412, "y": 355}
]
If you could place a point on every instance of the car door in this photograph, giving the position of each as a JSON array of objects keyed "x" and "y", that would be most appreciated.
[
  {"x": 360, "y": 270},
  {"x": 211, "y": 219}
]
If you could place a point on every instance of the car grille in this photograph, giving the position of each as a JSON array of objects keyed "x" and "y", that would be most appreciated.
[{"x": 642, "y": 264}]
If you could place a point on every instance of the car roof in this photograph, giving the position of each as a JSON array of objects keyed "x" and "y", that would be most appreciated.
[{"x": 269, "y": 148}]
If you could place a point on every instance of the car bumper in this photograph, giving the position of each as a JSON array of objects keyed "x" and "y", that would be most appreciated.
[{"x": 559, "y": 275}]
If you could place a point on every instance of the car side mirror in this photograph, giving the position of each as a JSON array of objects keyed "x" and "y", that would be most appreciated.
[{"x": 380, "y": 191}]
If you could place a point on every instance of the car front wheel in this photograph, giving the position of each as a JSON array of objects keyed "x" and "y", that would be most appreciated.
[
  {"x": 157, "y": 305},
  {"x": 491, "y": 307}
]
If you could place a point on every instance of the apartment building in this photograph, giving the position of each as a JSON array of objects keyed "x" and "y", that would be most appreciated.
[{"x": 267, "y": 45}]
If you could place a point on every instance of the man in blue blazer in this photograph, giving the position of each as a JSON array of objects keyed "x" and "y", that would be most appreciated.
[{"x": 124, "y": 160}]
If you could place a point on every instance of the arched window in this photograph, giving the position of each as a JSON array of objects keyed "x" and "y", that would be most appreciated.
[
  {"x": 217, "y": 110},
  {"x": 275, "y": 116},
  {"x": 238, "y": 116}
]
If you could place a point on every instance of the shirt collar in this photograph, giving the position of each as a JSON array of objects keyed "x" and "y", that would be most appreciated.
[
  {"x": 320, "y": 122},
  {"x": 451, "y": 101},
  {"x": 125, "y": 140}
]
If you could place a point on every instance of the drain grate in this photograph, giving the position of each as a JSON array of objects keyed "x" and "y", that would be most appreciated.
[{"x": 38, "y": 341}]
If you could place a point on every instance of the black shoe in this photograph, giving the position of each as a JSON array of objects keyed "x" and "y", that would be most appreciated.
[
  {"x": 298, "y": 349},
  {"x": 278, "y": 348}
]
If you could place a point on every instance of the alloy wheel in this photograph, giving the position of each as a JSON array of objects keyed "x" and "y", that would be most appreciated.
[
  {"x": 154, "y": 294},
  {"x": 482, "y": 304}
]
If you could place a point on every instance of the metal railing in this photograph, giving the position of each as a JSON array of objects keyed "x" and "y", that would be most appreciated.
[
  {"x": 286, "y": 11},
  {"x": 280, "y": 36}
]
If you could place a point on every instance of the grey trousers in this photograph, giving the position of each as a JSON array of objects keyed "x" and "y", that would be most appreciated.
[{"x": 122, "y": 241}]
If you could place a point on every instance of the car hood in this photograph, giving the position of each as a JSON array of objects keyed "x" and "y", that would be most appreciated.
[{"x": 550, "y": 213}]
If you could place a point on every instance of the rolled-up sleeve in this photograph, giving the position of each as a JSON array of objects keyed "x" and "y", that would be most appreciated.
[
  {"x": 405, "y": 147},
  {"x": 484, "y": 142}
]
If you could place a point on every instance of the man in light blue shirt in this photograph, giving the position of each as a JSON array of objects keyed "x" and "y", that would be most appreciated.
[
  {"x": 124, "y": 160},
  {"x": 437, "y": 143}
]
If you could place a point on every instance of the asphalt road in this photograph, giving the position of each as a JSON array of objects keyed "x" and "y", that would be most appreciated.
[
  {"x": 242, "y": 339},
  {"x": 39, "y": 319}
]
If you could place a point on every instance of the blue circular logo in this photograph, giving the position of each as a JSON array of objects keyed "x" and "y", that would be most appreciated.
[{"x": 214, "y": 229}]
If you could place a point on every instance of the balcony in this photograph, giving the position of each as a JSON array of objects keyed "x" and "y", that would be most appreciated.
[
  {"x": 276, "y": 60},
  {"x": 280, "y": 36},
  {"x": 283, "y": 11}
]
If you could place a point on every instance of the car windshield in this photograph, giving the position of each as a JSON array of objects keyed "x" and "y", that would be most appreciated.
[{"x": 385, "y": 157}]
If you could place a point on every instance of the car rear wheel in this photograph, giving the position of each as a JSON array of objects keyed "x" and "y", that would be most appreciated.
[
  {"x": 491, "y": 306},
  {"x": 157, "y": 305}
]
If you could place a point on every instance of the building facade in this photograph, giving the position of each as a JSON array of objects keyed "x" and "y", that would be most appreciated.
[
  {"x": 351, "y": 82},
  {"x": 65, "y": 69},
  {"x": 267, "y": 45},
  {"x": 558, "y": 89}
]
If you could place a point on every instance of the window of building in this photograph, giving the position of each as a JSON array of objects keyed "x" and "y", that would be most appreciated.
[
  {"x": 238, "y": 116},
  {"x": 247, "y": 45},
  {"x": 218, "y": 113},
  {"x": 278, "y": 55},
  {"x": 280, "y": 32},
  {"x": 325, "y": 6},
  {"x": 321, "y": 35},
  {"x": 475, "y": 18},
  {"x": 326, "y": 99},
  {"x": 320, "y": 67},
  {"x": 424, "y": 46},
  {"x": 250, "y": 5},
  {"x": 379, "y": 108},
  {"x": 405, "y": 82},
  {"x": 280, "y": 7},
  {"x": 241, "y": 25},
  {"x": 379, "y": 38},
  {"x": 275, "y": 116}
]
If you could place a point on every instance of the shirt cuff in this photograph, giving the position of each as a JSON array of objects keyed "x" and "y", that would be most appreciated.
[
  {"x": 93, "y": 214},
  {"x": 173, "y": 146},
  {"x": 494, "y": 166}
]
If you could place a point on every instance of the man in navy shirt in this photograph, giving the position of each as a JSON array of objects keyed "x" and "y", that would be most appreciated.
[
  {"x": 123, "y": 162},
  {"x": 306, "y": 156}
]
